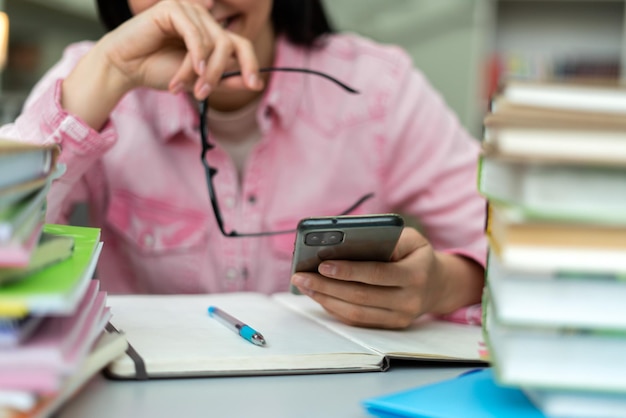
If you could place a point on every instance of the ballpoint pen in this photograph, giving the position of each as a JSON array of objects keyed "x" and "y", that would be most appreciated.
[{"x": 236, "y": 325}]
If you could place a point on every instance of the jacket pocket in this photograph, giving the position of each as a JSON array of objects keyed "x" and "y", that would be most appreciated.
[
  {"x": 156, "y": 227},
  {"x": 163, "y": 247}
]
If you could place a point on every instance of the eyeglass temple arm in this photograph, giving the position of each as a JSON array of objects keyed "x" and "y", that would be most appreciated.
[
  {"x": 209, "y": 173},
  {"x": 344, "y": 86},
  {"x": 281, "y": 232},
  {"x": 204, "y": 104}
]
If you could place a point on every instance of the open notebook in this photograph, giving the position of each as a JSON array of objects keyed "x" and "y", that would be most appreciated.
[{"x": 173, "y": 336}]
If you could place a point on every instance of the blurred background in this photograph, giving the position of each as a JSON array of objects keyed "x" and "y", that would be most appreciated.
[{"x": 463, "y": 46}]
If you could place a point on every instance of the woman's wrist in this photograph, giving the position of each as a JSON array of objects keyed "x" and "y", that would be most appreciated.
[
  {"x": 461, "y": 280},
  {"x": 93, "y": 89}
]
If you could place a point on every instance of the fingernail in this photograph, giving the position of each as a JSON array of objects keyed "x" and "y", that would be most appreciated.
[
  {"x": 204, "y": 91},
  {"x": 299, "y": 280},
  {"x": 177, "y": 88},
  {"x": 328, "y": 269},
  {"x": 253, "y": 80}
]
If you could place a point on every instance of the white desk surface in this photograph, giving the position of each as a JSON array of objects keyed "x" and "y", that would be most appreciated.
[{"x": 303, "y": 396}]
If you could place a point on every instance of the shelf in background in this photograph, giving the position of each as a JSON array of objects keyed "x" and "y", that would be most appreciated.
[{"x": 82, "y": 8}]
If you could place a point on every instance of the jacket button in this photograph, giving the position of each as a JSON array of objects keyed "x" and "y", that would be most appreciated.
[
  {"x": 231, "y": 274},
  {"x": 229, "y": 202},
  {"x": 148, "y": 240}
]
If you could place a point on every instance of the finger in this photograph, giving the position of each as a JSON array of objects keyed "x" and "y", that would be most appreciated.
[
  {"x": 361, "y": 315},
  {"x": 379, "y": 273},
  {"x": 184, "y": 78},
  {"x": 219, "y": 58},
  {"x": 352, "y": 292},
  {"x": 410, "y": 241},
  {"x": 221, "y": 49},
  {"x": 228, "y": 46},
  {"x": 203, "y": 21},
  {"x": 245, "y": 55},
  {"x": 218, "y": 50},
  {"x": 174, "y": 19}
]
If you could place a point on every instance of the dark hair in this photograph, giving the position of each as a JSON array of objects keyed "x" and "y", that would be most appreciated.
[{"x": 301, "y": 21}]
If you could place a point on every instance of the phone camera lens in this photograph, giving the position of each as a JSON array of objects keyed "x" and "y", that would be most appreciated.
[
  {"x": 323, "y": 238},
  {"x": 313, "y": 238},
  {"x": 333, "y": 238}
]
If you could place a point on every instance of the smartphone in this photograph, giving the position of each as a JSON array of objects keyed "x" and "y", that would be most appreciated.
[{"x": 349, "y": 237}]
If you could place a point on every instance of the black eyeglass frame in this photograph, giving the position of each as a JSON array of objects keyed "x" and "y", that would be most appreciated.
[{"x": 210, "y": 172}]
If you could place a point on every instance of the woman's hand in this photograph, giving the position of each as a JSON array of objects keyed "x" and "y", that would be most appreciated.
[
  {"x": 174, "y": 45},
  {"x": 392, "y": 294},
  {"x": 178, "y": 45}
]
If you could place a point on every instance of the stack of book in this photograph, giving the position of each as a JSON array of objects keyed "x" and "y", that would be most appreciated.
[
  {"x": 554, "y": 172},
  {"x": 52, "y": 313},
  {"x": 26, "y": 172}
]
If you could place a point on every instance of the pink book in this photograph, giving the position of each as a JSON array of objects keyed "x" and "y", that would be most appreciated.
[
  {"x": 43, "y": 380},
  {"x": 30, "y": 380},
  {"x": 61, "y": 341}
]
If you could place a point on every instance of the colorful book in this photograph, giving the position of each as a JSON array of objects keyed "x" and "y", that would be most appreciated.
[
  {"x": 555, "y": 135},
  {"x": 15, "y": 330},
  {"x": 578, "y": 404},
  {"x": 107, "y": 347},
  {"x": 21, "y": 162},
  {"x": 602, "y": 98},
  {"x": 13, "y": 194},
  {"x": 50, "y": 249},
  {"x": 46, "y": 380},
  {"x": 560, "y": 298},
  {"x": 61, "y": 342},
  {"x": 22, "y": 216},
  {"x": 17, "y": 252},
  {"x": 57, "y": 289},
  {"x": 522, "y": 243},
  {"x": 559, "y": 192},
  {"x": 556, "y": 358},
  {"x": 474, "y": 394}
]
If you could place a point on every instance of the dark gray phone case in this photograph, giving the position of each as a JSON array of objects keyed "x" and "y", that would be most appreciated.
[{"x": 365, "y": 237}]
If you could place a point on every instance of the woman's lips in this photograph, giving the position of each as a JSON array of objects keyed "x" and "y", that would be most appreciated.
[{"x": 226, "y": 23}]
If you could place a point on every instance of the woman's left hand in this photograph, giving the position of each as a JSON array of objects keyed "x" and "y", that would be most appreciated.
[{"x": 392, "y": 294}]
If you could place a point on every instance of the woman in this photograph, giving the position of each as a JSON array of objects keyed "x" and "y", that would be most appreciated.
[{"x": 287, "y": 146}]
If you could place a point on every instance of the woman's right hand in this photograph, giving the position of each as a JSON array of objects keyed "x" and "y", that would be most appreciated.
[{"x": 174, "y": 45}]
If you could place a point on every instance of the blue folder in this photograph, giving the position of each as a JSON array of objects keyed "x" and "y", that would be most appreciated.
[{"x": 470, "y": 395}]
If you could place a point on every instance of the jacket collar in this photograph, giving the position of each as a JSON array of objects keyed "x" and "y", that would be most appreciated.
[
  {"x": 284, "y": 90},
  {"x": 174, "y": 114}
]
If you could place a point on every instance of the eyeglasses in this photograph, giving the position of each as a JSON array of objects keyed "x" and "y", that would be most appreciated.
[{"x": 210, "y": 172}]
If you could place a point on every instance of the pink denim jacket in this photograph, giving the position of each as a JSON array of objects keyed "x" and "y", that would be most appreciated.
[{"x": 321, "y": 150}]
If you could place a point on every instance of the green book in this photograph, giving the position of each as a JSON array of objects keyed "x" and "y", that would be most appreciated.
[
  {"x": 51, "y": 248},
  {"x": 57, "y": 289}
]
